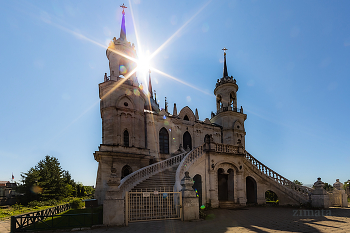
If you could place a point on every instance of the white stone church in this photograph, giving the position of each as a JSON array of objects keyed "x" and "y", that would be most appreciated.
[{"x": 146, "y": 150}]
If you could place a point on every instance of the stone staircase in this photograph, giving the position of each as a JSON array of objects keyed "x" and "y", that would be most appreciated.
[
  {"x": 229, "y": 205},
  {"x": 162, "y": 181}
]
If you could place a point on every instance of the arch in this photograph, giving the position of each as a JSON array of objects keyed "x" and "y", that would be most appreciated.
[
  {"x": 197, "y": 186},
  {"x": 126, "y": 138},
  {"x": 271, "y": 197},
  {"x": 186, "y": 118},
  {"x": 222, "y": 185},
  {"x": 238, "y": 125},
  {"x": 187, "y": 140},
  {"x": 126, "y": 170},
  {"x": 218, "y": 102},
  {"x": 163, "y": 141},
  {"x": 125, "y": 98},
  {"x": 187, "y": 111},
  {"x": 251, "y": 190},
  {"x": 233, "y": 100}
]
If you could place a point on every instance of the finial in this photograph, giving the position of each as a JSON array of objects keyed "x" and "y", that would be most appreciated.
[
  {"x": 224, "y": 51},
  {"x": 150, "y": 85},
  {"x": 225, "y": 67},
  {"x": 123, "y": 6},
  {"x": 122, "y": 30},
  {"x": 166, "y": 105}
]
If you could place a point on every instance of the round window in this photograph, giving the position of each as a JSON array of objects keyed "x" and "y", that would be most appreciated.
[{"x": 126, "y": 104}]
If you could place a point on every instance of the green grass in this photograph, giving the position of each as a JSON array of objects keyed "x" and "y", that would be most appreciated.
[
  {"x": 32, "y": 207},
  {"x": 17, "y": 210},
  {"x": 73, "y": 218}
]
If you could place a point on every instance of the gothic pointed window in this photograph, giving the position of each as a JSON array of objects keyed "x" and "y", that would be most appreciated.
[
  {"x": 126, "y": 138},
  {"x": 186, "y": 118},
  {"x": 163, "y": 141}
]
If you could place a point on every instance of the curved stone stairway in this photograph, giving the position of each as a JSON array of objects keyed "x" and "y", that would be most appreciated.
[{"x": 162, "y": 181}]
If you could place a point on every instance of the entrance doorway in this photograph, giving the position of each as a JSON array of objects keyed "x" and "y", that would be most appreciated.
[
  {"x": 187, "y": 140},
  {"x": 197, "y": 179},
  {"x": 222, "y": 185},
  {"x": 251, "y": 190}
]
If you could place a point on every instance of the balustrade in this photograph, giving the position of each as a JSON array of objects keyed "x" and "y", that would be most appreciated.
[
  {"x": 130, "y": 181},
  {"x": 305, "y": 191}
]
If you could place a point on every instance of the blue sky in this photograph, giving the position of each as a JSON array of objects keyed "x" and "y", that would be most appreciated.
[{"x": 290, "y": 59}]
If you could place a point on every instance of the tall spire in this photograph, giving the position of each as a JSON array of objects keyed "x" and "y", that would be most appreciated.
[
  {"x": 150, "y": 85},
  {"x": 225, "y": 67},
  {"x": 122, "y": 30}
]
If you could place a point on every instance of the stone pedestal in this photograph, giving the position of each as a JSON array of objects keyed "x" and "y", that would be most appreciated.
[
  {"x": 190, "y": 202},
  {"x": 319, "y": 196},
  {"x": 113, "y": 205},
  {"x": 338, "y": 196}
]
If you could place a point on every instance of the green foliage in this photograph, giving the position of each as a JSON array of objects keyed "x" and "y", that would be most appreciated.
[
  {"x": 271, "y": 196},
  {"x": 346, "y": 184},
  {"x": 297, "y": 182},
  {"x": 328, "y": 187},
  {"x": 77, "y": 204}
]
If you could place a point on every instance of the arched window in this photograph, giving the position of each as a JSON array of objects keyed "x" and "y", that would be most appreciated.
[
  {"x": 163, "y": 141},
  {"x": 187, "y": 140},
  {"x": 186, "y": 118},
  {"x": 126, "y": 138},
  {"x": 126, "y": 170}
]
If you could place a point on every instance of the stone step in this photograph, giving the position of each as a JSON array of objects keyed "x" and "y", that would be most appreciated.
[
  {"x": 229, "y": 205},
  {"x": 162, "y": 181}
]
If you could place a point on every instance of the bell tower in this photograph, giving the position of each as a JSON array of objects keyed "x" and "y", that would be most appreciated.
[
  {"x": 122, "y": 103},
  {"x": 227, "y": 115},
  {"x": 122, "y": 56}
]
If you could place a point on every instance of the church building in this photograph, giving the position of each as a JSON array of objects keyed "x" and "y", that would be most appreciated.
[{"x": 145, "y": 147}]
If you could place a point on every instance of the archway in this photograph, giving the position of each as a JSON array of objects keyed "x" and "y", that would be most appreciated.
[
  {"x": 197, "y": 186},
  {"x": 187, "y": 140},
  {"x": 163, "y": 141},
  {"x": 126, "y": 170},
  {"x": 251, "y": 190},
  {"x": 222, "y": 185},
  {"x": 271, "y": 197},
  {"x": 230, "y": 185}
]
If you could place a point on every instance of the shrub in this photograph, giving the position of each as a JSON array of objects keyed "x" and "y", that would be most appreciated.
[{"x": 77, "y": 204}]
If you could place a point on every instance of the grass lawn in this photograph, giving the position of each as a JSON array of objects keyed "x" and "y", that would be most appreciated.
[
  {"x": 70, "y": 219},
  {"x": 16, "y": 210}
]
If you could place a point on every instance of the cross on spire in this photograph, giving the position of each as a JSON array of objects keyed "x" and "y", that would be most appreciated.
[
  {"x": 224, "y": 50},
  {"x": 123, "y": 6}
]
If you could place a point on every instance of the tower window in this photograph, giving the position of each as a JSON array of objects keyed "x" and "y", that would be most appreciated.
[
  {"x": 126, "y": 138},
  {"x": 163, "y": 141},
  {"x": 186, "y": 118}
]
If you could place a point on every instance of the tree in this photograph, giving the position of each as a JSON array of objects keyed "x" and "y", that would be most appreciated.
[
  {"x": 297, "y": 182},
  {"x": 47, "y": 180}
]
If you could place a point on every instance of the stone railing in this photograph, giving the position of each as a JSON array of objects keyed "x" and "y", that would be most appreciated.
[
  {"x": 303, "y": 190},
  {"x": 229, "y": 108},
  {"x": 226, "y": 148},
  {"x": 131, "y": 180},
  {"x": 189, "y": 159}
]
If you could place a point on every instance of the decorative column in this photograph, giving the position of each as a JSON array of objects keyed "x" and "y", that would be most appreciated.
[
  {"x": 319, "y": 196},
  {"x": 190, "y": 203},
  {"x": 241, "y": 197},
  {"x": 113, "y": 205},
  {"x": 209, "y": 148}
]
